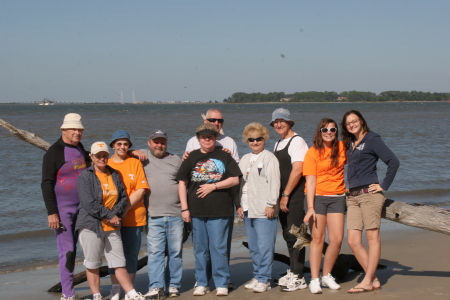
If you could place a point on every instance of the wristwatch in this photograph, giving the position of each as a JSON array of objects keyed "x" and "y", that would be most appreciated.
[{"x": 284, "y": 195}]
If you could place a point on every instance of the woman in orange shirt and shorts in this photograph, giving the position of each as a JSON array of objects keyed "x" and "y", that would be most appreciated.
[{"x": 325, "y": 193}]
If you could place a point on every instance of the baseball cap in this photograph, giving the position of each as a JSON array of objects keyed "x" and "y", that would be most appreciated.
[
  {"x": 157, "y": 134},
  {"x": 99, "y": 147}
]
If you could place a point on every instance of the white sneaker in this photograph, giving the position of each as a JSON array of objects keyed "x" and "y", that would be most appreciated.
[
  {"x": 328, "y": 281},
  {"x": 201, "y": 290},
  {"x": 251, "y": 284},
  {"x": 114, "y": 294},
  {"x": 261, "y": 287},
  {"x": 314, "y": 286},
  {"x": 173, "y": 292},
  {"x": 222, "y": 291},
  {"x": 74, "y": 297},
  {"x": 284, "y": 280},
  {"x": 97, "y": 297},
  {"x": 294, "y": 284},
  {"x": 155, "y": 293},
  {"x": 139, "y": 296}
]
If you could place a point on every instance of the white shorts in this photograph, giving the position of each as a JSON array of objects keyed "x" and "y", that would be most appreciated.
[{"x": 93, "y": 247}]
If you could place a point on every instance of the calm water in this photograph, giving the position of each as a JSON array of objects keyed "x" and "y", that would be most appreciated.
[{"x": 416, "y": 132}]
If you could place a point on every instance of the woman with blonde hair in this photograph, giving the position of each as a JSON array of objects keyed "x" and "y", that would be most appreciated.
[{"x": 260, "y": 188}]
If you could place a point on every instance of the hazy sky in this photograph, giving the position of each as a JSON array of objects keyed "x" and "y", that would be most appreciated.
[{"x": 208, "y": 50}]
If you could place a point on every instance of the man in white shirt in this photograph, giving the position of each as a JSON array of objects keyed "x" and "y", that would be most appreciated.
[{"x": 214, "y": 116}]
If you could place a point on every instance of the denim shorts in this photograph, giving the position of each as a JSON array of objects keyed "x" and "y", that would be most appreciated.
[{"x": 324, "y": 205}]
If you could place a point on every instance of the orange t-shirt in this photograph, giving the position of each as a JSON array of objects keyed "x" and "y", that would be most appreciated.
[
  {"x": 133, "y": 178},
  {"x": 109, "y": 197},
  {"x": 329, "y": 180}
]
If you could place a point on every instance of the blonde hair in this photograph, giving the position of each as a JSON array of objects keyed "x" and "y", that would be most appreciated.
[{"x": 255, "y": 127}]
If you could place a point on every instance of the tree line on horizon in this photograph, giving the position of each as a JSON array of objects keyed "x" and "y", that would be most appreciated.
[{"x": 348, "y": 96}]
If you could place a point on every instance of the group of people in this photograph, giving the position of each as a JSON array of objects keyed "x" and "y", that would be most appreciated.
[{"x": 107, "y": 205}]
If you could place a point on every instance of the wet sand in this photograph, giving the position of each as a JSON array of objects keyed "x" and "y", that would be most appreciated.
[{"x": 418, "y": 267}]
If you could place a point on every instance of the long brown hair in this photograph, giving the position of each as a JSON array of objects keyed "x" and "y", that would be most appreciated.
[
  {"x": 320, "y": 145},
  {"x": 347, "y": 137}
]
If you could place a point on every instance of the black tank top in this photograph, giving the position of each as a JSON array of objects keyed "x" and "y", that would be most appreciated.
[{"x": 286, "y": 167}]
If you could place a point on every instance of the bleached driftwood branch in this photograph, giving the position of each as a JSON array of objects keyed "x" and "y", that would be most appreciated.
[
  {"x": 423, "y": 216},
  {"x": 26, "y": 136}
]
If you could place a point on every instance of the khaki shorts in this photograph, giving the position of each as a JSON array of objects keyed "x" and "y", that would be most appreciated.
[{"x": 364, "y": 211}]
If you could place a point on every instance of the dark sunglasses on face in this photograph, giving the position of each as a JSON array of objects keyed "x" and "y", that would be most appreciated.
[
  {"x": 212, "y": 120},
  {"x": 325, "y": 130},
  {"x": 122, "y": 144},
  {"x": 258, "y": 139}
]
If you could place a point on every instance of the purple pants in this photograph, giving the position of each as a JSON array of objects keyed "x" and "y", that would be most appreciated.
[{"x": 66, "y": 241}]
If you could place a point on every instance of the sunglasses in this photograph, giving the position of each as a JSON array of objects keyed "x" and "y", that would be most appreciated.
[
  {"x": 122, "y": 144},
  {"x": 212, "y": 120},
  {"x": 325, "y": 130},
  {"x": 258, "y": 139}
]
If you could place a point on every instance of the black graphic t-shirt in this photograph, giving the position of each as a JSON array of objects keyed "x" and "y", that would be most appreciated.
[{"x": 200, "y": 168}]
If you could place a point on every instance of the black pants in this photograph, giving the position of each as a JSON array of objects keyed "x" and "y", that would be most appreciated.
[{"x": 294, "y": 216}]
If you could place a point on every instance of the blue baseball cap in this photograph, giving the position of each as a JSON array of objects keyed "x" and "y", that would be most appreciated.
[{"x": 120, "y": 134}]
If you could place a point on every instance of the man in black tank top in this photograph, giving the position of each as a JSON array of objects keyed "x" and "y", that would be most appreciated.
[{"x": 290, "y": 151}]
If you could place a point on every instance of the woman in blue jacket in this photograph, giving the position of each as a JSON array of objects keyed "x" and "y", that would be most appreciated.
[{"x": 366, "y": 199}]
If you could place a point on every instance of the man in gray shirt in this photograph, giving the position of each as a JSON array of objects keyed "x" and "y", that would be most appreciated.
[{"x": 165, "y": 225}]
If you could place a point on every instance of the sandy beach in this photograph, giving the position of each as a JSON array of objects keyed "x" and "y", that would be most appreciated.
[{"x": 418, "y": 267}]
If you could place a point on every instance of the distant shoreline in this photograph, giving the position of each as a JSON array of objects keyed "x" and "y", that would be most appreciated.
[{"x": 224, "y": 103}]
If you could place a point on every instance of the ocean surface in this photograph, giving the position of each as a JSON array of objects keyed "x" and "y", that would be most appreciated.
[{"x": 418, "y": 133}]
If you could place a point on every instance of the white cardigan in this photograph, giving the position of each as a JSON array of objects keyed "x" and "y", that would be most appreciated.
[{"x": 263, "y": 186}]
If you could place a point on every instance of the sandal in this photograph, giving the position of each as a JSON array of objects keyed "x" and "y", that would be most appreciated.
[{"x": 358, "y": 290}]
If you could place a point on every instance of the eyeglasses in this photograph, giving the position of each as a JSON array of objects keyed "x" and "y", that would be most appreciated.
[
  {"x": 206, "y": 137},
  {"x": 352, "y": 122},
  {"x": 212, "y": 120},
  {"x": 101, "y": 156},
  {"x": 325, "y": 130},
  {"x": 258, "y": 139},
  {"x": 122, "y": 144}
]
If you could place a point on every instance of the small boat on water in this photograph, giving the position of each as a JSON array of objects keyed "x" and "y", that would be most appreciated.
[{"x": 46, "y": 101}]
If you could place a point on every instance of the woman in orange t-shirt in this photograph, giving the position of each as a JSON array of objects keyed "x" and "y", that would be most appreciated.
[
  {"x": 135, "y": 216},
  {"x": 325, "y": 193}
]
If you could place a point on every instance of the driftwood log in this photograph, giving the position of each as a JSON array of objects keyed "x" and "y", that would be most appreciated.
[
  {"x": 26, "y": 136},
  {"x": 427, "y": 217},
  {"x": 422, "y": 216}
]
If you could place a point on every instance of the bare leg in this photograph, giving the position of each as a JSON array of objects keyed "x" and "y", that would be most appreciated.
[
  {"x": 373, "y": 239},
  {"x": 115, "y": 281},
  {"x": 367, "y": 260},
  {"x": 93, "y": 278},
  {"x": 335, "y": 225},
  {"x": 123, "y": 278},
  {"x": 316, "y": 246}
]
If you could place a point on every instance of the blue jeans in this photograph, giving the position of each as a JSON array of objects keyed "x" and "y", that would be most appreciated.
[
  {"x": 210, "y": 236},
  {"x": 261, "y": 236},
  {"x": 165, "y": 234},
  {"x": 131, "y": 239}
]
